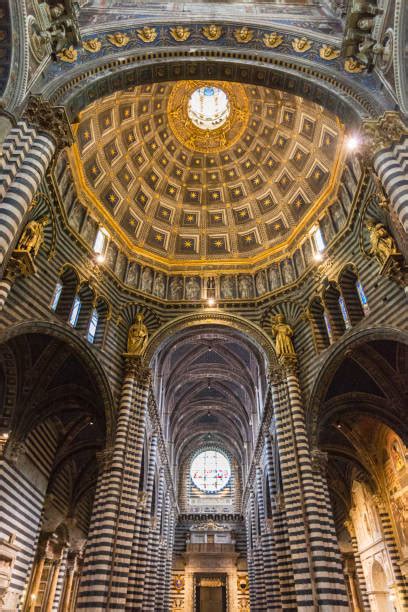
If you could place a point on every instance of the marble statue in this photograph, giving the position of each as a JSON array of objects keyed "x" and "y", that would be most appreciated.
[
  {"x": 244, "y": 285},
  {"x": 138, "y": 336},
  {"x": 282, "y": 332},
  {"x": 227, "y": 287},
  {"x": 287, "y": 270},
  {"x": 147, "y": 280},
  {"x": 176, "y": 288},
  {"x": 159, "y": 285},
  {"x": 193, "y": 291},
  {"x": 260, "y": 283},
  {"x": 274, "y": 277}
]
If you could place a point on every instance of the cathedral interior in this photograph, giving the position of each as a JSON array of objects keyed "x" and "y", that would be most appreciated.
[{"x": 203, "y": 305}]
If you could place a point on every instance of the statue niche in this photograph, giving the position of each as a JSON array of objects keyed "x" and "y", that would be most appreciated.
[
  {"x": 282, "y": 332},
  {"x": 383, "y": 247}
]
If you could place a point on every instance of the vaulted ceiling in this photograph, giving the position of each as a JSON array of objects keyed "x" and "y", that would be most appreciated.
[{"x": 177, "y": 193}]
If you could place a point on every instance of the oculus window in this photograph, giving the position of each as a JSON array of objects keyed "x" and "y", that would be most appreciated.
[
  {"x": 210, "y": 471},
  {"x": 208, "y": 107}
]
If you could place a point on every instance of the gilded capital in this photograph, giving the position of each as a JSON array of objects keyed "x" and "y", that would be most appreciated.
[
  {"x": 381, "y": 133},
  {"x": 288, "y": 364},
  {"x": 52, "y": 119},
  {"x": 137, "y": 367}
]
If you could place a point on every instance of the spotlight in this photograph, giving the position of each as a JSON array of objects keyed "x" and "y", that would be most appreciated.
[
  {"x": 352, "y": 143},
  {"x": 211, "y": 302},
  {"x": 100, "y": 258},
  {"x": 318, "y": 256}
]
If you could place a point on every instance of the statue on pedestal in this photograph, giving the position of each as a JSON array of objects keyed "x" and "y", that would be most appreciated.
[
  {"x": 382, "y": 243},
  {"x": 282, "y": 333},
  {"x": 138, "y": 337},
  {"x": 32, "y": 237}
]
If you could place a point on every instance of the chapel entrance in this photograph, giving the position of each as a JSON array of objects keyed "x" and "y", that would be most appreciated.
[{"x": 210, "y": 593}]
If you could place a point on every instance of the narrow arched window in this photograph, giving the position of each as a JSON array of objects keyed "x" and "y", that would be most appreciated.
[
  {"x": 92, "y": 327},
  {"x": 363, "y": 298},
  {"x": 344, "y": 312},
  {"x": 328, "y": 327},
  {"x": 74, "y": 314},
  {"x": 56, "y": 295}
]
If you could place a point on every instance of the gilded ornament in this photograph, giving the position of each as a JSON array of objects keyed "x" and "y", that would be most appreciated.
[
  {"x": 272, "y": 40},
  {"x": 147, "y": 34},
  {"x": 180, "y": 33},
  {"x": 353, "y": 66},
  {"x": 300, "y": 45},
  {"x": 33, "y": 236},
  {"x": 383, "y": 132},
  {"x": 212, "y": 32},
  {"x": 382, "y": 243},
  {"x": 119, "y": 39},
  {"x": 93, "y": 45},
  {"x": 328, "y": 53},
  {"x": 243, "y": 35},
  {"x": 178, "y": 583},
  {"x": 138, "y": 337},
  {"x": 69, "y": 55},
  {"x": 282, "y": 332}
]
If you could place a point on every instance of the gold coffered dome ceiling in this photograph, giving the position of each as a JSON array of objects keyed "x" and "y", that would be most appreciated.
[{"x": 240, "y": 188}]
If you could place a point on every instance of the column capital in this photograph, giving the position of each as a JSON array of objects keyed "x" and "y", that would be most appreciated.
[
  {"x": 104, "y": 457},
  {"x": 319, "y": 460},
  {"x": 52, "y": 119},
  {"x": 136, "y": 366},
  {"x": 349, "y": 525},
  {"x": 382, "y": 132}
]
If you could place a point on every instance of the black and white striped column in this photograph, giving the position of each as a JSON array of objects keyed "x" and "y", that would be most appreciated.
[
  {"x": 401, "y": 584},
  {"x": 106, "y": 567},
  {"x": 21, "y": 190},
  {"x": 283, "y": 593},
  {"x": 391, "y": 165},
  {"x": 13, "y": 152},
  {"x": 152, "y": 577},
  {"x": 362, "y": 585},
  {"x": 139, "y": 560}
]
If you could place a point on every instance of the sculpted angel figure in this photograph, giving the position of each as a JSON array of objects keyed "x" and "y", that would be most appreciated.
[
  {"x": 272, "y": 40},
  {"x": 93, "y": 46},
  {"x": 32, "y": 237},
  {"x": 212, "y": 32},
  {"x": 68, "y": 55},
  {"x": 243, "y": 35},
  {"x": 119, "y": 39},
  {"x": 382, "y": 244},
  {"x": 282, "y": 332},
  {"x": 147, "y": 34},
  {"x": 300, "y": 45},
  {"x": 328, "y": 53},
  {"x": 180, "y": 33},
  {"x": 138, "y": 336},
  {"x": 353, "y": 66}
]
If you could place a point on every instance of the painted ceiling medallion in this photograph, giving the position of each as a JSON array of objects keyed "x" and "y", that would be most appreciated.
[{"x": 208, "y": 117}]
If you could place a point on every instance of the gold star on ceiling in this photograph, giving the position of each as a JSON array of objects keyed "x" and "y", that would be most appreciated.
[
  {"x": 215, "y": 195},
  {"x": 159, "y": 237},
  {"x": 193, "y": 195},
  {"x": 94, "y": 170},
  {"x": 165, "y": 213},
  {"x": 248, "y": 238},
  {"x": 87, "y": 135},
  {"x": 243, "y": 213},
  {"x": 188, "y": 244},
  {"x": 218, "y": 243},
  {"x": 190, "y": 218}
]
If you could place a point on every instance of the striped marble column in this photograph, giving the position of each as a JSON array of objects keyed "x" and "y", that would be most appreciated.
[
  {"x": 150, "y": 587},
  {"x": 106, "y": 568},
  {"x": 270, "y": 577},
  {"x": 285, "y": 593},
  {"x": 17, "y": 199},
  {"x": 263, "y": 539},
  {"x": 362, "y": 585},
  {"x": 391, "y": 165},
  {"x": 140, "y": 550},
  {"x": 250, "y": 558},
  {"x": 401, "y": 584},
  {"x": 169, "y": 559},
  {"x": 13, "y": 151},
  {"x": 317, "y": 581},
  {"x": 161, "y": 565},
  {"x": 386, "y": 149}
]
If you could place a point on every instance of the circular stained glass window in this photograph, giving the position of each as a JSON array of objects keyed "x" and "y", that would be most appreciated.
[
  {"x": 210, "y": 471},
  {"x": 208, "y": 107}
]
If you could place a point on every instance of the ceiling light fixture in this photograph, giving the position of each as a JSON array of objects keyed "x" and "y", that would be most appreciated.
[
  {"x": 211, "y": 302},
  {"x": 352, "y": 142}
]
